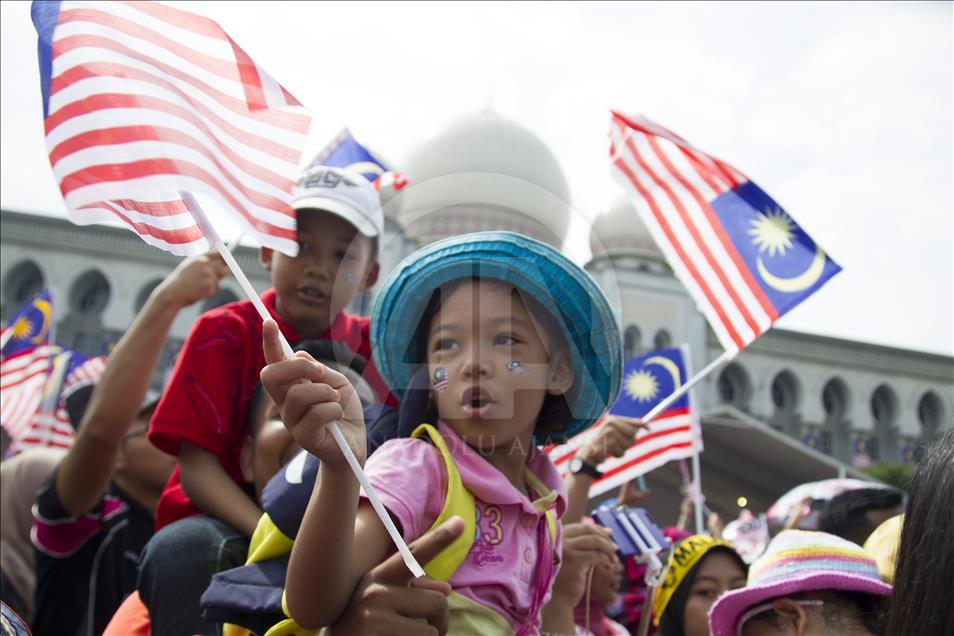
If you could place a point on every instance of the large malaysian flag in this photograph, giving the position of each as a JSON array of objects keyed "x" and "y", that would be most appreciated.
[
  {"x": 739, "y": 254},
  {"x": 142, "y": 101}
]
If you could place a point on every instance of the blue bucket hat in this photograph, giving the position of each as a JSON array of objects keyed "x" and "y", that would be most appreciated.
[{"x": 561, "y": 287}]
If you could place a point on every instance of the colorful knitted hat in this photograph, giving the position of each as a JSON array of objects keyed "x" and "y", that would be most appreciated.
[
  {"x": 563, "y": 288},
  {"x": 798, "y": 561}
]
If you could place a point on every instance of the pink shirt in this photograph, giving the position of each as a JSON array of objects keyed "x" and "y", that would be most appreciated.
[{"x": 513, "y": 561}]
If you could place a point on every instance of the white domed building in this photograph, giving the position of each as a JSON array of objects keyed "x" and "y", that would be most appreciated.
[{"x": 483, "y": 172}]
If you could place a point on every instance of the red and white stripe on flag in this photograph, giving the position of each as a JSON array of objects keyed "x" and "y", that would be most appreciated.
[
  {"x": 668, "y": 437},
  {"x": 145, "y": 101},
  {"x": 22, "y": 379},
  {"x": 48, "y": 430},
  {"x": 88, "y": 372},
  {"x": 672, "y": 184}
]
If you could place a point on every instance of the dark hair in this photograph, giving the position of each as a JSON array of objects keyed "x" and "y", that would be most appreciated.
[
  {"x": 555, "y": 413},
  {"x": 319, "y": 350},
  {"x": 76, "y": 404},
  {"x": 673, "y": 619},
  {"x": 842, "y": 610},
  {"x": 921, "y": 602},
  {"x": 845, "y": 515}
]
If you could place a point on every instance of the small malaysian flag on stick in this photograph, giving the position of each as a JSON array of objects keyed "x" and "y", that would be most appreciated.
[
  {"x": 143, "y": 100},
  {"x": 739, "y": 254},
  {"x": 673, "y": 434}
]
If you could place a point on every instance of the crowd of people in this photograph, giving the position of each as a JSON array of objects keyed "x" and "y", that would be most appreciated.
[{"x": 225, "y": 505}]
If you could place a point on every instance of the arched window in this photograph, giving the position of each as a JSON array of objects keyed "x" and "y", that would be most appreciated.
[
  {"x": 785, "y": 392},
  {"x": 785, "y": 395},
  {"x": 144, "y": 292},
  {"x": 835, "y": 404},
  {"x": 884, "y": 410},
  {"x": 662, "y": 339},
  {"x": 930, "y": 412},
  {"x": 632, "y": 342},
  {"x": 734, "y": 387},
  {"x": 221, "y": 297},
  {"x": 90, "y": 294},
  {"x": 22, "y": 283}
]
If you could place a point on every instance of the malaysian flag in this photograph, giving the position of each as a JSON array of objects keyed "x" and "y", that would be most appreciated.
[
  {"x": 51, "y": 425},
  {"x": 344, "y": 151},
  {"x": 647, "y": 380},
  {"x": 142, "y": 101},
  {"x": 27, "y": 358},
  {"x": 738, "y": 253}
]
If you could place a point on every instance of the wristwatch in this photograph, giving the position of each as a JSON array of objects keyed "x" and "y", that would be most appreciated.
[{"x": 578, "y": 466}]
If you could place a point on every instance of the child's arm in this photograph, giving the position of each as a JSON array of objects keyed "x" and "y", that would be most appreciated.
[
  {"x": 210, "y": 488},
  {"x": 87, "y": 469},
  {"x": 338, "y": 541}
]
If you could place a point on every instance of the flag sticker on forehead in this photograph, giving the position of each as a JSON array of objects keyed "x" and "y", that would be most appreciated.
[
  {"x": 142, "y": 101},
  {"x": 744, "y": 260}
]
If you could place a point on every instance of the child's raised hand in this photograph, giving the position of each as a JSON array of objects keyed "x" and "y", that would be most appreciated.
[
  {"x": 194, "y": 279},
  {"x": 309, "y": 396}
]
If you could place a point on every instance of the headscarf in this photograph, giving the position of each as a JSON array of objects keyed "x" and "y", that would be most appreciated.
[{"x": 670, "y": 603}]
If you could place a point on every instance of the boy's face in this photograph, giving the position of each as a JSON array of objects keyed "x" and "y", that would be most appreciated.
[
  {"x": 492, "y": 367},
  {"x": 334, "y": 263}
]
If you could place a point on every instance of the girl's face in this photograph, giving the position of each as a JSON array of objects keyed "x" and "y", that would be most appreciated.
[
  {"x": 718, "y": 573},
  {"x": 489, "y": 366}
]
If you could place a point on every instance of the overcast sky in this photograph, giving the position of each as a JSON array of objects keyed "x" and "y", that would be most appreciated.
[{"x": 843, "y": 112}]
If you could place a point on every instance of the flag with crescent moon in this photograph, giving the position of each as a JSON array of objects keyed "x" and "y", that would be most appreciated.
[
  {"x": 674, "y": 434},
  {"x": 27, "y": 361},
  {"x": 740, "y": 255},
  {"x": 346, "y": 152}
]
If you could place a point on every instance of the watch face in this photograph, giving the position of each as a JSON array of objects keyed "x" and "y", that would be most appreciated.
[{"x": 575, "y": 465}]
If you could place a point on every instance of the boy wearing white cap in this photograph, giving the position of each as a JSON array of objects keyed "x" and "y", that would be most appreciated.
[{"x": 201, "y": 417}]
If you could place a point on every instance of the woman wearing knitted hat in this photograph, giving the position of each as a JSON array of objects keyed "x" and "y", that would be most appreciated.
[
  {"x": 806, "y": 583},
  {"x": 701, "y": 569}
]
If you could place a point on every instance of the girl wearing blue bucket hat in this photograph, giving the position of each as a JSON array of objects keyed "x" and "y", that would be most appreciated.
[{"x": 519, "y": 347}]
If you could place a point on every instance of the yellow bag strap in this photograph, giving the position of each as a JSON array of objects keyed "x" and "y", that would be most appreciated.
[
  {"x": 545, "y": 503},
  {"x": 458, "y": 501}
]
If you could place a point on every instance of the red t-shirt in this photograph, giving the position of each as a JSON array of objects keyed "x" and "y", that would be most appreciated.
[{"x": 207, "y": 398}]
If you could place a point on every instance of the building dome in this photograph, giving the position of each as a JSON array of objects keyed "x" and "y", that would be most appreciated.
[
  {"x": 483, "y": 172},
  {"x": 620, "y": 232}
]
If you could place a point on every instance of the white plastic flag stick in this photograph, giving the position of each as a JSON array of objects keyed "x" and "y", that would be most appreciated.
[
  {"x": 678, "y": 393},
  {"x": 213, "y": 237},
  {"x": 698, "y": 499},
  {"x": 697, "y": 502}
]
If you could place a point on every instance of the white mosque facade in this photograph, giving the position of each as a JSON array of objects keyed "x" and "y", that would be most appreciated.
[{"x": 791, "y": 407}]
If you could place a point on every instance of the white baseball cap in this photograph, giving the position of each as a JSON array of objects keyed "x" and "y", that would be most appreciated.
[{"x": 349, "y": 195}]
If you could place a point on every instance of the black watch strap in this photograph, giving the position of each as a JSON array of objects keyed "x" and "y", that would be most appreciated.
[{"x": 579, "y": 466}]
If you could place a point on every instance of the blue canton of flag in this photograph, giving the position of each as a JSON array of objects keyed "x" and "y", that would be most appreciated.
[
  {"x": 345, "y": 152},
  {"x": 648, "y": 379},
  {"x": 790, "y": 266},
  {"x": 29, "y": 328}
]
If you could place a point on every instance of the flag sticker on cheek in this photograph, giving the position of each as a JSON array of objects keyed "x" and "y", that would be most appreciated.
[
  {"x": 514, "y": 368},
  {"x": 348, "y": 278},
  {"x": 440, "y": 379}
]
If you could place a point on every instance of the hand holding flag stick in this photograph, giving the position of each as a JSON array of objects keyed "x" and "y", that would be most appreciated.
[{"x": 212, "y": 236}]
